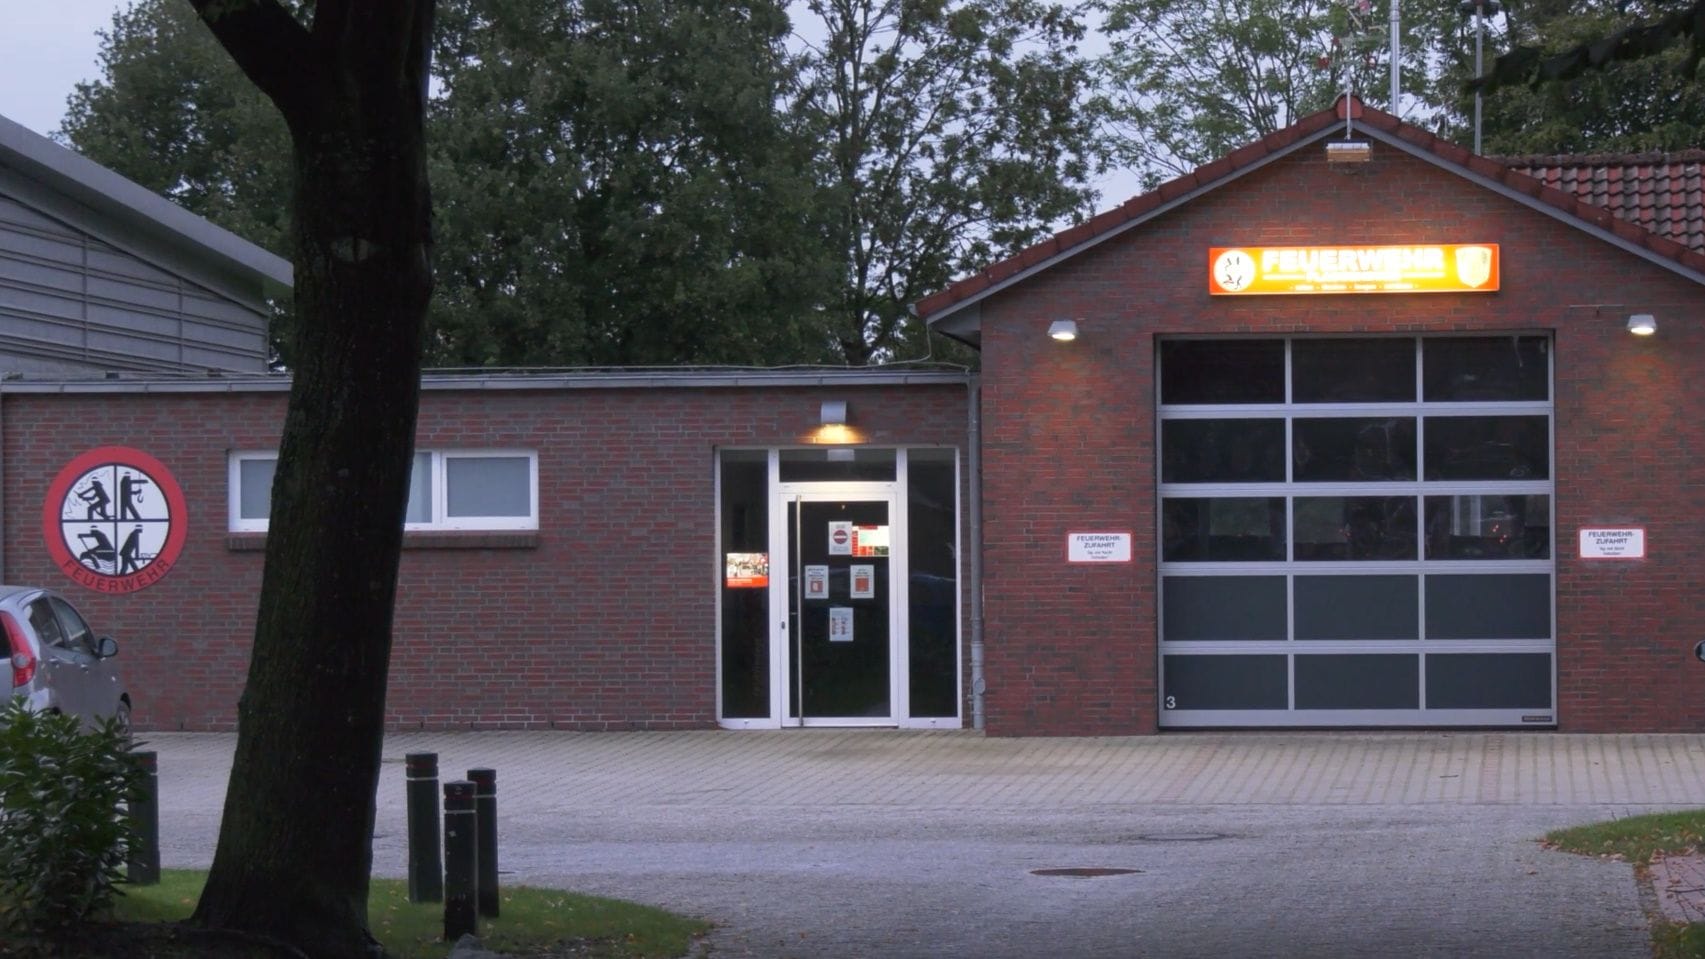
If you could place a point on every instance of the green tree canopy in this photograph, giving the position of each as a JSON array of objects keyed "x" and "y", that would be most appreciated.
[
  {"x": 615, "y": 181},
  {"x": 172, "y": 112},
  {"x": 617, "y": 186},
  {"x": 1187, "y": 83},
  {"x": 952, "y": 132},
  {"x": 664, "y": 181},
  {"x": 1588, "y": 94}
]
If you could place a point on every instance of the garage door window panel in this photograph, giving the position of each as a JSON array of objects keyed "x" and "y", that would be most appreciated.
[
  {"x": 1219, "y": 372},
  {"x": 1352, "y": 371},
  {"x": 1223, "y": 529},
  {"x": 1353, "y": 450},
  {"x": 1488, "y": 447},
  {"x": 1223, "y": 451},
  {"x": 1485, "y": 369},
  {"x": 1488, "y": 527},
  {"x": 1354, "y": 528},
  {"x": 1412, "y": 521}
]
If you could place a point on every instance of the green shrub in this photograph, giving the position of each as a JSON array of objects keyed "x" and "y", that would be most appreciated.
[{"x": 63, "y": 829}]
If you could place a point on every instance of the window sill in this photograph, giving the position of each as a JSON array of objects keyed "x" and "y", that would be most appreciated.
[{"x": 423, "y": 539}]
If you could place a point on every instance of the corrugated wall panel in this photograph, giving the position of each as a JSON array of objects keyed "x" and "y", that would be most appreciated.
[{"x": 74, "y": 303}]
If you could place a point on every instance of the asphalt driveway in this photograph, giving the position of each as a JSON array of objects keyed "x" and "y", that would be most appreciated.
[{"x": 855, "y": 843}]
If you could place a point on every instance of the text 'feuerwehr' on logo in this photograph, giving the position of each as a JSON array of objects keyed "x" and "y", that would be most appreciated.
[{"x": 115, "y": 520}]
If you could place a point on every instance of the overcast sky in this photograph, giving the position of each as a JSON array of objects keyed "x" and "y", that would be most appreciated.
[{"x": 45, "y": 49}]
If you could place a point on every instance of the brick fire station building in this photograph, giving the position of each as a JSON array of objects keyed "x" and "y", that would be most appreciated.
[{"x": 1350, "y": 428}]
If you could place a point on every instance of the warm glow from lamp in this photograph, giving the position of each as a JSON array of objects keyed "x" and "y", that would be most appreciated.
[
  {"x": 836, "y": 434},
  {"x": 1642, "y": 324},
  {"x": 1063, "y": 330}
]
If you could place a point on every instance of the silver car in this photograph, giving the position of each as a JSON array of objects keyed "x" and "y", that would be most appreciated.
[{"x": 58, "y": 664}]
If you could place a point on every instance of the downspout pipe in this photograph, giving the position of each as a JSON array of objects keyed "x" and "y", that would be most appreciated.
[{"x": 974, "y": 515}]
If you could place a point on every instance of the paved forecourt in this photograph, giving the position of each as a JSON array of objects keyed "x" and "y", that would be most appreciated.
[{"x": 887, "y": 843}]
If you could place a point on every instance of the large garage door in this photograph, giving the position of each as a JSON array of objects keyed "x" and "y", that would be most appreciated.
[{"x": 1356, "y": 532}]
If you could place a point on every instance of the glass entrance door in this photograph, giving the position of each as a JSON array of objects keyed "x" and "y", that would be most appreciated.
[{"x": 840, "y": 626}]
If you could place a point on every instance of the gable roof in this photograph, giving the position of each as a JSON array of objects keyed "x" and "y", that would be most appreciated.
[
  {"x": 954, "y": 310},
  {"x": 124, "y": 210},
  {"x": 1663, "y": 192}
]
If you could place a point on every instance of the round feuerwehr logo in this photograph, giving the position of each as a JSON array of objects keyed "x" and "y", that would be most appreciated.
[{"x": 114, "y": 520}]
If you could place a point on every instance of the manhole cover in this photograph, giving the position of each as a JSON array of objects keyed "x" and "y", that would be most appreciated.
[
  {"x": 1180, "y": 836},
  {"x": 1090, "y": 872}
]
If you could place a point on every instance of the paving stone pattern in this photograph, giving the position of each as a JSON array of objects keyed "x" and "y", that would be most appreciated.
[
  {"x": 853, "y": 843},
  {"x": 1679, "y": 884}
]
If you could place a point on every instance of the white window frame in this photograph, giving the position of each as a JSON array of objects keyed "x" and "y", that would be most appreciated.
[{"x": 440, "y": 521}]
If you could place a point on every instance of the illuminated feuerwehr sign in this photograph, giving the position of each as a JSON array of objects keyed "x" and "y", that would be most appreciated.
[{"x": 1274, "y": 270}]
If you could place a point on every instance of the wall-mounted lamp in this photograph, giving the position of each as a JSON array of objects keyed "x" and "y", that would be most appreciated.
[
  {"x": 1063, "y": 330},
  {"x": 1642, "y": 324},
  {"x": 834, "y": 413},
  {"x": 1348, "y": 151}
]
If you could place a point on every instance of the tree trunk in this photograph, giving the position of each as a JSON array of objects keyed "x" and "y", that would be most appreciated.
[{"x": 295, "y": 846}]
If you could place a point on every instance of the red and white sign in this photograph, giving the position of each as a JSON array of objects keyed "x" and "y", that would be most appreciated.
[
  {"x": 1101, "y": 547},
  {"x": 1627, "y": 543},
  {"x": 840, "y": 538},
  {"x": 115, "y": 520},
  {"x": 870, "y": 541}
]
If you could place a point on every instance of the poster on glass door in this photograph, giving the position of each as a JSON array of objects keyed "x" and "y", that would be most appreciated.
[
  {"x": 840, "y": 538},
  {"x": 840, "y": 624},
  {"x": 863, "y": 582},
  {"x": 816, "y": 582}
]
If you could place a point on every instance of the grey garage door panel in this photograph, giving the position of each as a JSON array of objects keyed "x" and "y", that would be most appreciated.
[
  {"x": 1489, "y": 606},
  {"x": 1358, "y": 607},
  {"x": 1226, "y": 682},
  {"x": 1489, "y": 681},
  {"x": 1358, "y": 681},
  {"x": 1223, "y": 608}
]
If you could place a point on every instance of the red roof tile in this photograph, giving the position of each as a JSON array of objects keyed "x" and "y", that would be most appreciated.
[{"x": 1660, "y": 194}]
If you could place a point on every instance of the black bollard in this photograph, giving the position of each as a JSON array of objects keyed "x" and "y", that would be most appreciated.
[
  {"x": 485, "y": 808},
  {"x": 425, "y": 869},
  {"x": 142, "y": 865},
  {"x": 461, "y": 861}
]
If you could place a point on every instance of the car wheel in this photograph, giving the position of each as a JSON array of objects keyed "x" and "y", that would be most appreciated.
[{"x": 121, "y": 716}]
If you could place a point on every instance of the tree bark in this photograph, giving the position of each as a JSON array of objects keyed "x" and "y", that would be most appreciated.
[{"x": 295, "y": 845}]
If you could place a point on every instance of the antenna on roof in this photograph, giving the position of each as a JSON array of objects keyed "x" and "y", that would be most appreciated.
[
  {"x": 1349, "y": 149},
  {"x": 1479, "y": 10}
]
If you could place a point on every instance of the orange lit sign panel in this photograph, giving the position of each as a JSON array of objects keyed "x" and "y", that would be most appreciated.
[{"x": 1272, "y": 270}]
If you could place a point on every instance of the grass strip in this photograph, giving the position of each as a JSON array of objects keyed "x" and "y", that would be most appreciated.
[
  {"x": 530, "y": 920},
  {"x": 1639, "y": 840}
]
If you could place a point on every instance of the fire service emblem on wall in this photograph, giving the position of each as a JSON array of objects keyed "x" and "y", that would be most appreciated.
[{"x": 114, "y": 520}]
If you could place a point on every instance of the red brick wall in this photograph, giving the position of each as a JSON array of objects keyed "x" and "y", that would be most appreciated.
[
  {"x": 605, "y": 621},
  {"x": 1069, "y": 434}
]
